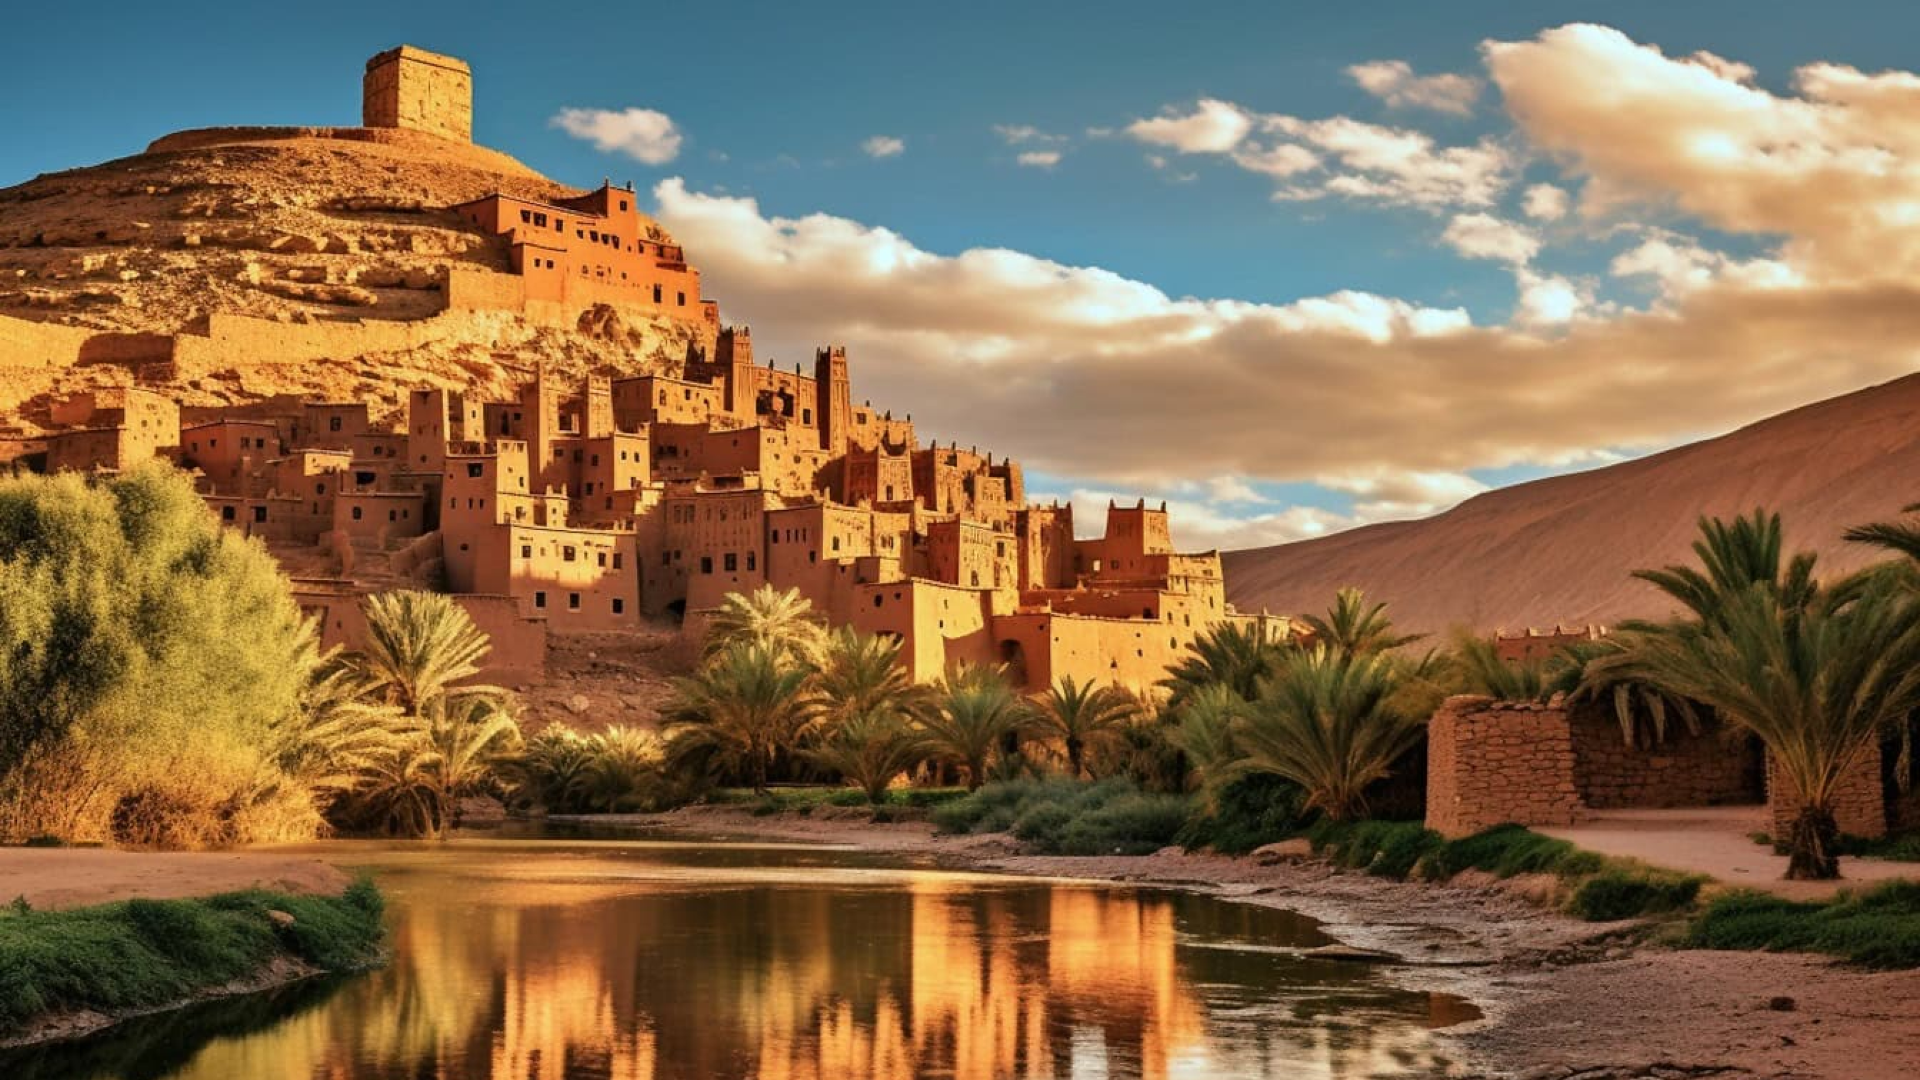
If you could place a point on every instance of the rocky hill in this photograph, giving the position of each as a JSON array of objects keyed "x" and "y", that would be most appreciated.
[
  {"x": 342, "y": 231},
  {"x": 1560, "y": 550}
]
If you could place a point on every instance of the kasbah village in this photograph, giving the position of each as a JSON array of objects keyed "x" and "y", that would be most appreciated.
[{"x": 418, "y": 373}]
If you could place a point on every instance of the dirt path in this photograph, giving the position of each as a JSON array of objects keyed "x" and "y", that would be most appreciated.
[
  {"x": 52, "y": 878},
  {"x": 1562, "y": 998}
]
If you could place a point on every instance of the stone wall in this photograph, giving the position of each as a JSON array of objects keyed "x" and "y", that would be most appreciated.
[
  {"x": 1708, "y": 769},
  {"x": 1489, "y": 763},
  {"x": 1859, "y": 805}
]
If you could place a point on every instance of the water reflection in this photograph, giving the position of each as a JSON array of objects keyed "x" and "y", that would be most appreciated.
[{"x": 641, "y": 961}]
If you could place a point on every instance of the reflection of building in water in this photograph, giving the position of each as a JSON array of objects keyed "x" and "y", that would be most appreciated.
[{"x": 939, "y": 977}]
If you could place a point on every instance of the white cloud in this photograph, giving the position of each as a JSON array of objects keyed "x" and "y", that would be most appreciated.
[
  {"x": 1545, "y": 202},
  {"x": 1547, "y": 299},
  {"x": 1048, "y": 361},
  {"x": 1483, "y": 236},
  {"x": 1680, "y": 265},
  {"x": 1017, "y": 134},
  {"x": 644, "y": 135},
  {"x": 1039, "y": 159},
  {"x": 884, "y": 146},
  {"x": 1835, "y": 166},
  {"x": 1394, "y": 82},
  {"x": 1338, "y": 156},
  {"x": 1213, "y": 127}
]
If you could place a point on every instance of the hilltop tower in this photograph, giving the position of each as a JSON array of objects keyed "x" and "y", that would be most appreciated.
[
  {"x": 418, "y": 90},
  {"x": 835, "y": 398}
]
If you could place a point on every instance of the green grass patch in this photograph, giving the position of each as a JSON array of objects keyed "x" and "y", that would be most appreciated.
[
  {"x": 145, "y": 953},
  {"x": 1068, "y": 817},
  {"x": 1900, "y": 847},
  {"x": 1876, "y": 928}
]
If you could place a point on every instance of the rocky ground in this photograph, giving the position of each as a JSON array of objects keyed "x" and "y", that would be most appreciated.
[{"x": 1563, "y": 999}]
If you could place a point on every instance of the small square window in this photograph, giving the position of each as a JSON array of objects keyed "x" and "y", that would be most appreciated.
[
  {"x": 540, "y": 599},
  {"x": 573, "y": 601}
]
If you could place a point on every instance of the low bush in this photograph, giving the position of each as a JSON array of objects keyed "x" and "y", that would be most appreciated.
[
  {"x": 1066, "y": 817},
  {"x": 1249, "y": 812},
  {"x": 1876, "y": 928},
  {"x": 143, "y": 953}
]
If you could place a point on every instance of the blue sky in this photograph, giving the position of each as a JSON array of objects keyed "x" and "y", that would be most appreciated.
[{"x": 774, "y": 102}]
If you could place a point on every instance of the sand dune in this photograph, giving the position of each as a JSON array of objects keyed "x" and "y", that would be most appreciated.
[{"x": 1561, "y": 549}]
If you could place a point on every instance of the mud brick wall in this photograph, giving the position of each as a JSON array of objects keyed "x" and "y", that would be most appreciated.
[
  {"x": 1707, "y": 769},
  {"x": 1859, "y": 806},
  {"x": 1491, "y": 762}
]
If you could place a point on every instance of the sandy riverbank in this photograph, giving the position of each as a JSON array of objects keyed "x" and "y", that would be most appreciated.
[
  {"x": 1562, "y": 997},
  {"x": 52, "y": 878}
]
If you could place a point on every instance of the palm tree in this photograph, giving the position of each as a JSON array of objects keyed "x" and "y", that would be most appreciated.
[
  {"x": 452, "y": 752},
  {"x": 861, "y": 675},
  {"x": 419, "y": 644},
  {"x": 1231, "y": 654},
  {"x": 1476, "y": 667},
  {"x": 1732, "y": 557},
  {"x": 1205, "y": 735},
  {"x": 870, "y": 749},
  {"x": 768, "y": 617},
  {"x": 621, "y": 764},
  {"x": 733, "y": 715},
  {"x": 1326, "y": 722},
  {"x": 1815, "y": 683},
  {"x": 339, "y": 730},
  {"x": 1351, "y": 626},
  {"x": 1083, "y": 715},
  {"x": 976, "y": 712}
]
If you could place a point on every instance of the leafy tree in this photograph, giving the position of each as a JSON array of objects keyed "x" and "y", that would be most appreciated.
[
  {"x": 1083, "y": 715},
  {"x": 623, "y": 769},
  {"x": 146, "y": 657},
  {"x": 976, "y": 713},
  {"x": 451, "y": 751},
  {"x": 1326, "y": 722},
  {"x": 738, "y": 711}
]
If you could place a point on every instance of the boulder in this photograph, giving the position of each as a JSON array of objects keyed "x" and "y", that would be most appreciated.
[{"x": 1299, "y": 849}]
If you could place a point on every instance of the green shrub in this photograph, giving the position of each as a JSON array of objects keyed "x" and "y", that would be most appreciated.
[
  {"x": 1066, "y": 817},
  {"x": 1619, "y": 892},
  {"x": 155, "y": 952},
  {"x": 1877, "y": 928},
  {"x": 1249, "y": 812},
  {"x": 1900, "y": 847},
  {"x": 1135, "y": 823}
]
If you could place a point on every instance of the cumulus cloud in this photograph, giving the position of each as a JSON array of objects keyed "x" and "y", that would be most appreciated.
[
  {"x": 1087, "y": 373},
  {"x": 1213, "y": 127},
  {"x": 884, "y": 146},
  {"x": 1544, "y": 202},
  {"x": 1483, "y": 236},
  {"x": 1039, "y": 159},
  {"x": 1394, "y": 82},
  {"x": 645, "y": 135},
  {"x": 1337, "y": 156},
  {"x": 1834, "y": 167}
]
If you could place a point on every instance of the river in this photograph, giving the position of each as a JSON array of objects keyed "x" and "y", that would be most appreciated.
[{"x": 633, "y": 959}]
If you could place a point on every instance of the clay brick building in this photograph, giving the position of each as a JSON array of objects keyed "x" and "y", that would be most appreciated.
[{"x": 588, "y": 507}]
